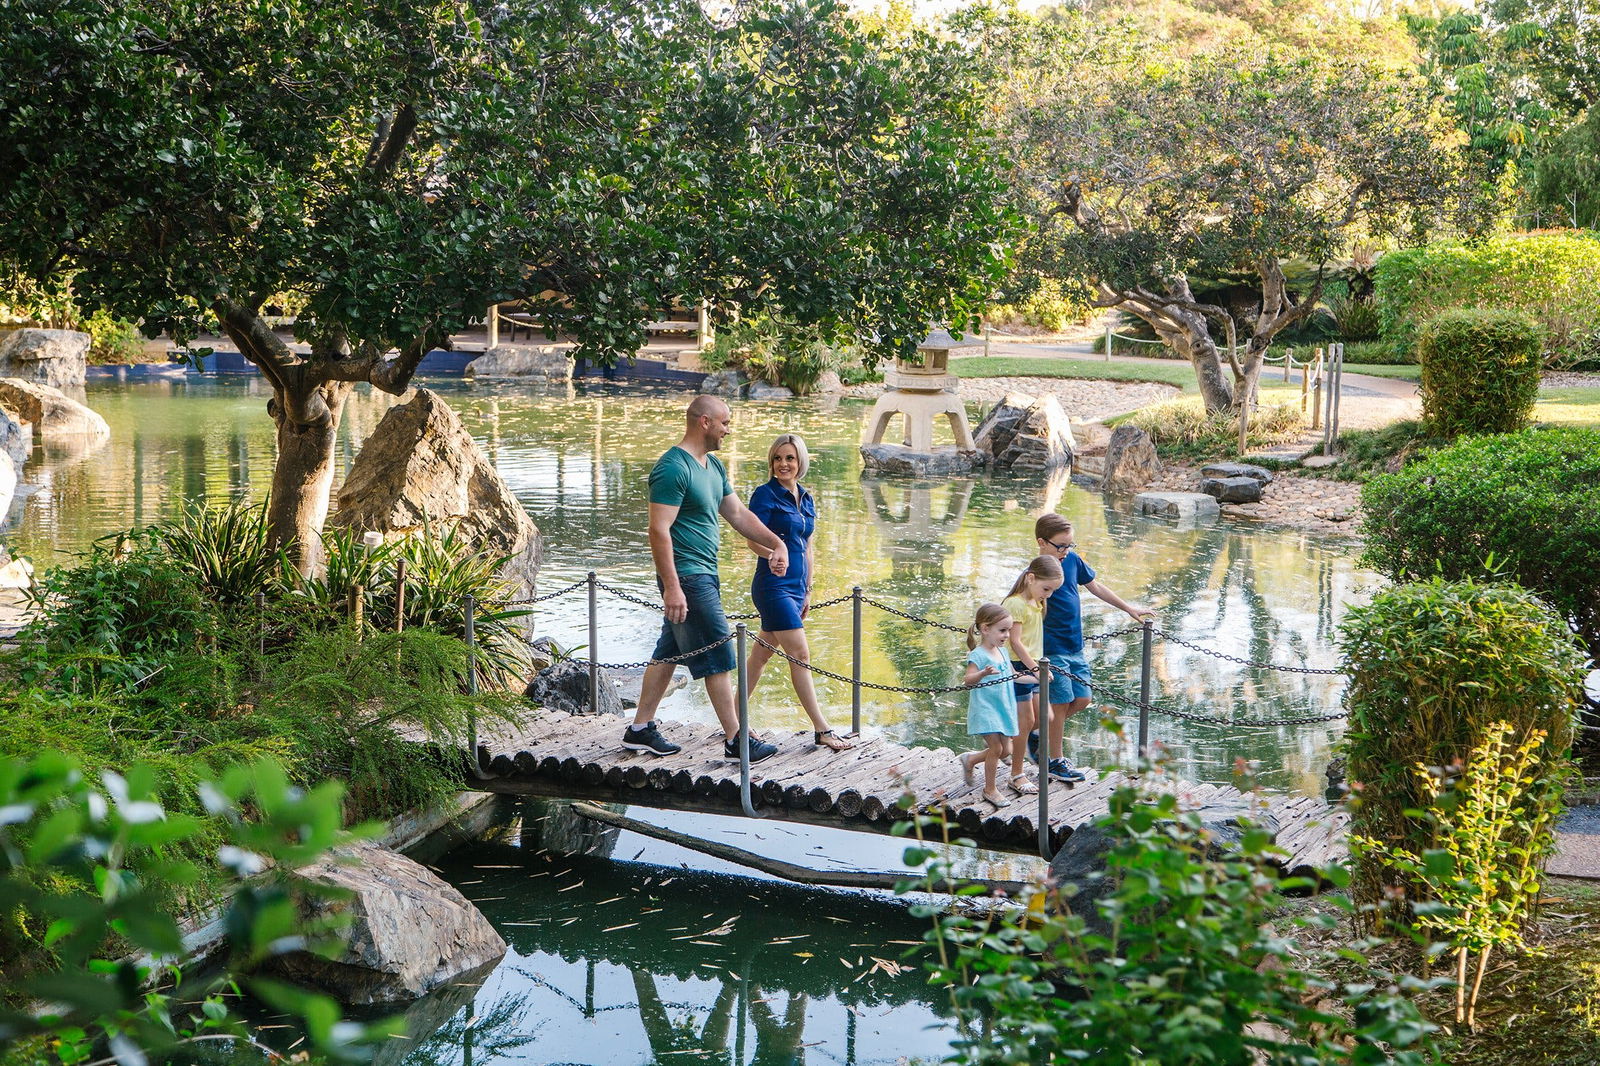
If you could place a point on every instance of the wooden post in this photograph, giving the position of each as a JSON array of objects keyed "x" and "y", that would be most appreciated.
[
  {"x": 1288, "y": 361},
  {"x": 1305, "y": 384},
  {"x": 1108, "y": 343},
  {"x": 494, "y": 325},
  {"x": 400, "y": 596},
  {"x": 705, "y": 335},
  {"x": 1316, "y": 401},
  {"x": 358, "y": 607}
]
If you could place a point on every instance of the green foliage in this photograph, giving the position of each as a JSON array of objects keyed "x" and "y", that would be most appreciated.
[
  {"x": 1192, "y": 962},
  {"x": 1480, "y": 371},
  {"x": 112, "y": 340},
  {"x": 1355, "y": 318},
  {"x": 1554, "y": 277},
  {"x": 1434, "y": 667},
  {"x": 1526, "y": 505},
  {"x": 1183, "y": 428},
  {"x": 778, "y": 352},
  {"x": 86, "y": 874},
  {"x": 228, "y": 549},
  {"x": 1567, "y": 181},
  {"x": 1493, "y": 828},
  {"x": 1376, "y": 353},
  {"x": 1044, "y": 303},
  {"x": 1366, "y": 453}
]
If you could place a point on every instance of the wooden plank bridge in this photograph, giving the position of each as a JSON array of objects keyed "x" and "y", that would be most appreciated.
[{"x": 575, "y": 756}]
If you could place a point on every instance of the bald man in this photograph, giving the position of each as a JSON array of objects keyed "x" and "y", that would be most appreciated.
[{"x": 688, "y": 489}]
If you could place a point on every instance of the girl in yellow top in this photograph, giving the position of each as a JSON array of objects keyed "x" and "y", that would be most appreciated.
[{"x": 1025, "y": 604}]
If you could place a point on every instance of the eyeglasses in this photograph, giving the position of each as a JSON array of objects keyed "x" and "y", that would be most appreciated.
[{"x": 1059, "y": 547}]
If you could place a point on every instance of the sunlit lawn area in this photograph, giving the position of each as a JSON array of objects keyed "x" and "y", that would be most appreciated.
[
  {"x": 1570, "y": 405},
  {"x": 1179, "y": 374}
]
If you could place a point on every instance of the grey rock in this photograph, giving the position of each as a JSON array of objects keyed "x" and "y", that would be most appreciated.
[
  {"x": 1232, "y": 489},
  {"x": 1189, "y": 505},
  {"x": 629, "y": 682},
  {"x": 760, "y": 390},
  {"x": 564, "y": 686},
  {"x": 728, "y": 383},
  {"x": 410, "y": 932},
  {"x": 548, "y": 362},
  {"x": 16, "y": 439},
  {"x": 1319, "y": 462},
  {"x": 1022, "y": 432},
  {"x": 421, "y": 466},
  {"x": 1249, "y": 470},
  {"x": 828, "y": 384},
  {"x": 53, "y": 357},
  {"x": 1131, "y": 461},
  {"x": 897, "y": 460},
  {"x": 53, "y": 415},
  {"x": 8, "y": 485}
]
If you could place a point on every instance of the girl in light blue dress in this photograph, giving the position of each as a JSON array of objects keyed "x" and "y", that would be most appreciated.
[{"x": 991, "y": 709}]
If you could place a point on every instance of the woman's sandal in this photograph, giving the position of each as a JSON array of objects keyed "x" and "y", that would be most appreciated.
[
  {"x": 1023, "y": 785},
  {"x": 839, "y": 743}
]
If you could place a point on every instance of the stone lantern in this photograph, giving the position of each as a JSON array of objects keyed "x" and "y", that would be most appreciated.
[{"x": 922, "y": 389}]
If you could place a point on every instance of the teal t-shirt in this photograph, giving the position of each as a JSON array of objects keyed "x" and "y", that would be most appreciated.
[{"x": 696, "y": 491}]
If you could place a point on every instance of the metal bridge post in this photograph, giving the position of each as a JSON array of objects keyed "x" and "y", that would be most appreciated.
[
  {"x": 594, "y": 646},
  {"x": 744, "y": 729},
  {"x": 855, "y": 661},
  {"x": 1044, "y": 758},
  {"x": 1147, "y": 640}
]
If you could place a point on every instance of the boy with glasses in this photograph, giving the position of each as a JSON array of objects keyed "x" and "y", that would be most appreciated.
[{"x": 1063, "y": 637}]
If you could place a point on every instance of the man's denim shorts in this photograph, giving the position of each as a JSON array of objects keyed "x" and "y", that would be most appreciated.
[
  {"x": 1064, "y": 688},
  {"x": 705, "y": 624}
]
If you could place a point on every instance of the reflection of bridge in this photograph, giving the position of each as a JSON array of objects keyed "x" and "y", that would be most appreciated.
[{"x": 556, "y": 754}]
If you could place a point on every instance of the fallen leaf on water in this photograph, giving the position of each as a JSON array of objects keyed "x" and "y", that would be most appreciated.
[
  {"x": 614, "y": 928},
  {"x": 804, "y": 955}
]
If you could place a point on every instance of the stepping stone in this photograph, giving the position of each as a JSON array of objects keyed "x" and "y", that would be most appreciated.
[
  {"x": 1319, "y": 462},
  {"x": 1232, "y": 489},
  {"x": 1191, "y": 505},
  {"x": 1231, "y": 470}
]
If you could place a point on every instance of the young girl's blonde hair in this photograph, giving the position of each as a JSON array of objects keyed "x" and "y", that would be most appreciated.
[
  {"x": 1043, "y": 568},
  {"x": 988, "y": 615}
]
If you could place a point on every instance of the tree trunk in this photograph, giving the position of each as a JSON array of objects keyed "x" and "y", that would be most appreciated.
[{"x": 302, "y": 480}]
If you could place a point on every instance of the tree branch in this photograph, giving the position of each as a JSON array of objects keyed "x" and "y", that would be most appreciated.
[{"x": 400, "y": 132}]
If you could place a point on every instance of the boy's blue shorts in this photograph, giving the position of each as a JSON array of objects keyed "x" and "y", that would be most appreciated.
[{"x": 1064, "y": 688}]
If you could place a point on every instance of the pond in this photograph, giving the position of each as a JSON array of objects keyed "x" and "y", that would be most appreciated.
[{"x": 626, "y": 949}]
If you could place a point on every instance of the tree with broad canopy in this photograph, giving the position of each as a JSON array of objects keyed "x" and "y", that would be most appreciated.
[
  {"x": 1140, "y": 171},
  {"x": 393, "y": 169}
]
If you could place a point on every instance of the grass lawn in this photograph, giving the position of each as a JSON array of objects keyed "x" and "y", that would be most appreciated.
[
  {"x": 1179, "y": 374},
  {"x": 1573, "y": 406},
  {"x": 1406, "y": 371}
]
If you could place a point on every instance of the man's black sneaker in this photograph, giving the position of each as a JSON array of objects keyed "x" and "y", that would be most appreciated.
[
  {"x": 1033, "y": 747},
  {"x": 759, "y": 749},
  {"x": 648, "y": 738},
  {"x": 1062, "y": 770}
]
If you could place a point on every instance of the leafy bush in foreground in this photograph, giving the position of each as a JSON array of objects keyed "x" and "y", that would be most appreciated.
[
  {"x": 1480, "y": 371},
  {"x": 1526, "y": 505}
]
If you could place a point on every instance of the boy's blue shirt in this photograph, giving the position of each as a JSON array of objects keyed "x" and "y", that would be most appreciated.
[{"x": 1063, "y": 611}]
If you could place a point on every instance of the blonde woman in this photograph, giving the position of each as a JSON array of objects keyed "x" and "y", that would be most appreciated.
[{"x": 784, "y": 506}]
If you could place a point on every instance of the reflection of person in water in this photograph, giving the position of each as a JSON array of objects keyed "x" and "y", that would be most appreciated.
[{"x": 778, "y": 1043}]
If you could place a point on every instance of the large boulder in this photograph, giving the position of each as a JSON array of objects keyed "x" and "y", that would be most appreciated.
[
  {"x": 1025, "y": 433},
  {"x": 1232, "y": 489},
  {"x": 53, "y": 414},
  {"x": 549, "y": 362},
  {"x": 410, "y": 932},
  {"x": 761, "y": 390},
  {"x": 422, "y": 466},
  {"x": 729, "y": 383},
  {"x": 1182, "y": 505},
  {"x": 53, "y": 357},
  {"x": 829, "y": 383},
  {"x": 1131, "y": 462},
  {"x": 564, "y": 686},
  {"x": 16, "y": 438},
  {"x": 1226, "y": 470}
]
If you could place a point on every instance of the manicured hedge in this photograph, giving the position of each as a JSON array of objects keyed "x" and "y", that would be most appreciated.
[
  {"x": 1432, "y": 666},
  {"x": 1526, "y": 504},
  {"x": 1552, "y": 275},
  {"x": 1480, "y": 371}
]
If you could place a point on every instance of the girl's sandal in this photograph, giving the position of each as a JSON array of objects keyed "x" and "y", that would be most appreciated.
[
  {"x": 834, "y": 743},
  {"x": 1023, "y": 785},
  {"x": 997, "y": 800},
  {"x": 967, "y": 765}
]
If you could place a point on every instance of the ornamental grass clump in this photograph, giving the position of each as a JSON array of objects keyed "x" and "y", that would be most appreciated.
[
  {"x": 1480, "y": 371},
  {"x": 1437, "y": 669}
]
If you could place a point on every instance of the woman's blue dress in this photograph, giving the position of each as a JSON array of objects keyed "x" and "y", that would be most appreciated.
[{"x": 779, "y": 599}]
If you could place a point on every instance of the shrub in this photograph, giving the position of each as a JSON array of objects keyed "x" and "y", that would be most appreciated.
[
  {"x": 1552, "y": 276},
  {"x": 1480, "y": 371},
  {"x": 779, "y": 353},
  {"x": 1043, "y": 303},
  {"x": 112, "y": 340},
  {"x": 1193, "y": 962},
  {"x": 1527, "y": 503},
  {"x": 1181, "y": 427},
  {"x": 1376, "y": 353},
  {"x": 1433, "y": 667},
  {"x": 1355, "y": 318},
  {"x": 228, "y": 549}
]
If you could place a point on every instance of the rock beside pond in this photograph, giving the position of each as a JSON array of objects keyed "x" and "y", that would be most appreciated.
[
  {"x": 1023, "y": 432},
  {"x": 729, "y": 383},
  {"x": 564, "y": 686},
  {"x": 16, "y": 438},
  {"x": 828, "y": 384},
  {"x": 53, "y": 357},
  {"x": 1232, "y": 489},
  {"x": 549, "y": 362},
  {"x": 900, "y": 461},
  {"x": 53, "y": 414},
  {"x": 1249, "y": 470},
  {"x": 760, "y": 390},
  {"x": 1131, "y": 461},
  {"x": 8, "y": 485},
  {"x": 422, "y": 466},
  {"x": 1183, "y": 505},
  {"x": 410, "y": 931}
]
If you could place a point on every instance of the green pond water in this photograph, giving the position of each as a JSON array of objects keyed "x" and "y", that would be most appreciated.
[{"x": 794, "y": 978}]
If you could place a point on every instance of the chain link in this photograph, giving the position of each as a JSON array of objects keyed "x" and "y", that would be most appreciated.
[
  {"x": 1164, "y": 635},
  {"x": 652, "y": 662},
  {"x": 820, "y": 671},
  {"x": 912, "y": 617},
  {"x": 575, "y": 586}
]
